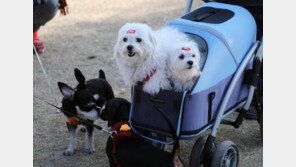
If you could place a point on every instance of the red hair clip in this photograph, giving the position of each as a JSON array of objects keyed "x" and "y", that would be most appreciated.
[
  {"x": 184, "y": 48},
  {"x": 131, "y": 31}
]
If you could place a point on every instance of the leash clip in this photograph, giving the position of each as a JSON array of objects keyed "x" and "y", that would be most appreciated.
[{"x": 113, "y": 133}]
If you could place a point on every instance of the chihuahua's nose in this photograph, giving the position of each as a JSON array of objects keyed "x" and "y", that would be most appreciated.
[
  {"x": 130, "y": 47},
  {"x": 190, "y": 62}
]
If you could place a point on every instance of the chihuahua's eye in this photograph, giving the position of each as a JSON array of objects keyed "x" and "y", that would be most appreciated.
[
  {"x": 193, "y": 55},
  {"x": 124, "y": 39},
  {"x": 181, "y": 56},
  {"x": 139, "y": 40},
  {"x": 89, "y": 104}
]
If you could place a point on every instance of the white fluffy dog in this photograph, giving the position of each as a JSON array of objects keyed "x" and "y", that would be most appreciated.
[
  {"x": 138, "y": 58},
  {"x": 183, "y": 65},
  {"x": 167, "y": 37},
  {"x": 182, "y": 55}
]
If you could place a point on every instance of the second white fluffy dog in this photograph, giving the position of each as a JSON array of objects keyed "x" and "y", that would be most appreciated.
[
  {"x": 137, "y": 55},
  {"x": 182, "y": 56},
  {"x": 183, "y": 65}
]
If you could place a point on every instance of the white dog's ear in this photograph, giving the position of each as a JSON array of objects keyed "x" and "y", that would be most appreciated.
[{"x": 152, "y": 38}]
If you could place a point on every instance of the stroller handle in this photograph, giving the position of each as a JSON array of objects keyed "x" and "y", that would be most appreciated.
[{"x": 188, "y": 6}]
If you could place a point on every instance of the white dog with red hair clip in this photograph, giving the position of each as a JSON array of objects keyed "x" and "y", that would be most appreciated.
[
  {"x": 182, "y": 56},
  {"x": 138, "y": 59},
  {"x": 183, "y": 66}
]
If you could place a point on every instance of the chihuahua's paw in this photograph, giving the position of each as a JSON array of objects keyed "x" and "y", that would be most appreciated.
[
  {"x": 89, "y": 150},
  {"x": 83, "y": 129},
  {"x": 68, "y": 152}
]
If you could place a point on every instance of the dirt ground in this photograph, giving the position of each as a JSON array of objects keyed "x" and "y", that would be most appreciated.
[{"x": 85, "y": 39}]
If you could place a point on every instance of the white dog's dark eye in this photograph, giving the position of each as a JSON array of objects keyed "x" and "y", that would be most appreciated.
[
  {"x": 138, "y": 39},
  {"x": 124, "y": 39},
  {"x": 181, "y": 56},
  {"x": 193, "y": 55}
]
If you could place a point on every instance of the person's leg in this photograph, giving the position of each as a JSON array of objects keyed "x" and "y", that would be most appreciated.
[{"x": 43, "y": 11}]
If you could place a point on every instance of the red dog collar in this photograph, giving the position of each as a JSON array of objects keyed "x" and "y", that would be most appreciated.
[{"x": 149, "y": 76}]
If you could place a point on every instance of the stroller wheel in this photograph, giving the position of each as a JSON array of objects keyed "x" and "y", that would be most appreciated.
[
  {"x": 196, "y": 156},
  {"x": 226, "y": 155}
]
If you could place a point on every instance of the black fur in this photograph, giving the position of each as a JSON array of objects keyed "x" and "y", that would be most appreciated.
[
  {"x": 116, "y": 110},
  {"x": 84, "y": 93},
  {"x": 132, "y": 151},
  {"x": 83, "y": 98}
]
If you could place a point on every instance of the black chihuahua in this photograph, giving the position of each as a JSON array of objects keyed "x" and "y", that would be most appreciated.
[{"x": 86, "y": 101}]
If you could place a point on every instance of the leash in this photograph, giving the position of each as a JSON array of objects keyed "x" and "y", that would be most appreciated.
[
  {"x": 45, "y": 74},
  {"x": 83, "y": 121}
]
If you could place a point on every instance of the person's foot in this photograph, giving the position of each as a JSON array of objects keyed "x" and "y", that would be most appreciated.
[{"x": 37, "y": 43}]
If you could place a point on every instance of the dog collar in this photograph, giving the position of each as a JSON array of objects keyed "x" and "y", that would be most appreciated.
[
  {"x": 149, "y": 75},
  {"x": 73, "y": 120}
]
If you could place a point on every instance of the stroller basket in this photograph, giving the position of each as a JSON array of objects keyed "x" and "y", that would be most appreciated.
[
  {"x": 218, "y": 30},
  {"x": 149, "y": 118},
  {"x": 189, "y": 113}
]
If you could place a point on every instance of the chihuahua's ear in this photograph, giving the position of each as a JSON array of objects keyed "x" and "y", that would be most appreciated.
[
  {"x": 66, "y": 90},
  {"x": 102, "y": 74},
  {"x": 79, "y": 77}
]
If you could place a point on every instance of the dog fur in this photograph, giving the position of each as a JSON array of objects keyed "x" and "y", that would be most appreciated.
[
  {"x": 166, "y": 37},
  {"x": 171, "y": 40},
  {"x": 183, "y": 66},
  {"x": 132, "y": 151},
  {"x": 87, "y": 100},
  {"x": 137, "y": 56}
]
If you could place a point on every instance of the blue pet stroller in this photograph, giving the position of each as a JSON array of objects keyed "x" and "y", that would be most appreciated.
[{"x": 231, "y": 59}]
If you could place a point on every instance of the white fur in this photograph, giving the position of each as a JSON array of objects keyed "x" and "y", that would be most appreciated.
[
  {"x": 146, "y": 57},
  {"x": 91, "y": 115},
  {"x": 179, "y": 71},
  {"x": 166, "y": 37},
  {"x": 170, "y": 41},
  {"x": 72, "y": 143},
  {"x": 96, "y": 96},
  {"x": 89, "y": 144}
]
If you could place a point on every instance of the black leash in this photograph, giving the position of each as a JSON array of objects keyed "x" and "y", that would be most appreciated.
[{"x": 83, "y": 121}]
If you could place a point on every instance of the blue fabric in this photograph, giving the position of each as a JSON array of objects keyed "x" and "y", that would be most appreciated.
[
  {"x": 240, "y": 34},
  {"x": 195, "y": 113},
  {"x": 197, "y": 105}
]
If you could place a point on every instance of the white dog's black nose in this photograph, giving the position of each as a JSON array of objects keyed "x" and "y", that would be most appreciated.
[
  {"x": 190, "y": 62},
  {"x": 129, "y": 47}
]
